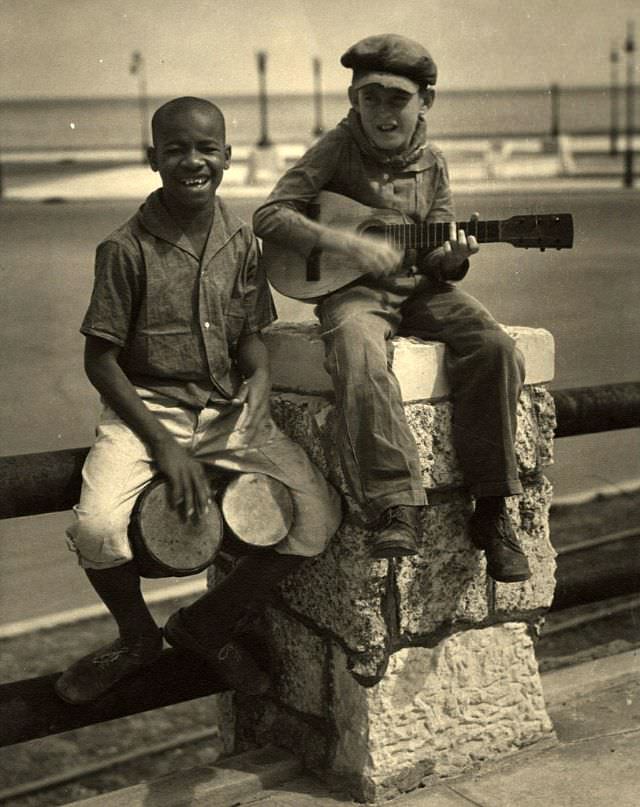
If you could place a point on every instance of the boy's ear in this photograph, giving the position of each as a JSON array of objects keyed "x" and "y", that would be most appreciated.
[
  {"x": 353, "y": 97},
  {"x": 151, "y": 156},
  {"x": 227, "y": 156},
  {"x": 428, "y": 97}
]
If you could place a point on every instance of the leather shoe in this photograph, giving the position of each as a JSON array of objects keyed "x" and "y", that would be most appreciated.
[
  {"x": 234, "y": 665},
  {"x": 493, "y": 532},
  {"x": 94, "y": 675},
  {"x": 398, "y": 532}
]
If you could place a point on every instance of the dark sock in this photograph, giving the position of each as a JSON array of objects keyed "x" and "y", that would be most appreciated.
[
  {"x": 119, "y": 589},
  {"x": 489, "y": 505},
  {"x": 214, "y": 615}
]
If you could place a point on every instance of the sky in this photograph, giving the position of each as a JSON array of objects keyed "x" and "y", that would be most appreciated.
[{"x": 83, "y": 48}]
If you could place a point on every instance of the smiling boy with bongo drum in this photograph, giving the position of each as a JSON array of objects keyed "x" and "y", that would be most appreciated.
[{"x": 173, "y": 346}]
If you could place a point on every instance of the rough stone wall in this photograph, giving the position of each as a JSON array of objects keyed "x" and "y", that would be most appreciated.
[{"x": 391, "y": 673}]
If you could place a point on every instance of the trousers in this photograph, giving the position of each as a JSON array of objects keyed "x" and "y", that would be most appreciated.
[
  {"x": 119, "y": 466},
  {"x": 485, "y": 368}
]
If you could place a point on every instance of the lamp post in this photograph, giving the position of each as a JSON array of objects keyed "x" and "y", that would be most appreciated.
[
  {"x": 318, "y": 129},
  {"x": 629, "y": 47},
  {"x": 262, "y": 81},
  {"x": 138, "y": 68},
  {"x": 613, "y": 131}
]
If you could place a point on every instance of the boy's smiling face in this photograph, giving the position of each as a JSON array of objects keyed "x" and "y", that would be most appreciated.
[
  {"x": 389, "y": 115},
  {"x": 190, "y": 154}
]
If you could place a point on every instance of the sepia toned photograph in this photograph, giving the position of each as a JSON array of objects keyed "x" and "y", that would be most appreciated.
[{"x": 320, "y": 403}]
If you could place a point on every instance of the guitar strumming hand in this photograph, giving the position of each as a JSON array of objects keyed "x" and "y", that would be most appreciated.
[{"x": 371, "y": 256}]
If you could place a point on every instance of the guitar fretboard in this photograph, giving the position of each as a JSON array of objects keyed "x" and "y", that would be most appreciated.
[{"x": 434, "y": 234}]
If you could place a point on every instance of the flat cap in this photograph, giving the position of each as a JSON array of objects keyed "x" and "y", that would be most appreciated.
[{"x": 391, "y": 60}]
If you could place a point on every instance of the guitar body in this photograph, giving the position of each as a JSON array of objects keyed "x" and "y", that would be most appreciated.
[{"x": 310, "y": 278}]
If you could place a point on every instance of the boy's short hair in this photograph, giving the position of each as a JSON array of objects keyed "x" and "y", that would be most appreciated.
[
  {"x": 392, "y": 61},
  {"x": 176, "y": 105}
]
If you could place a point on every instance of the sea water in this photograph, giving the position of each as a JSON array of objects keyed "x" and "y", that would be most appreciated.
[{"x": 89, "y": 123}]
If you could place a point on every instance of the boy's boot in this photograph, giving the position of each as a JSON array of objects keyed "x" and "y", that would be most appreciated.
[
  {"x": 491, "y": 529},
  {"x": 138, "y": 646},
  {"x": 208, "y": 626},
  {"x": 398, "y": 532}
]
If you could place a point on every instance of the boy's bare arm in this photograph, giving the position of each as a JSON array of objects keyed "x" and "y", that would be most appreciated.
[
  {"x": 253, "y": 361},
  {"x": 189, "y": 488}
]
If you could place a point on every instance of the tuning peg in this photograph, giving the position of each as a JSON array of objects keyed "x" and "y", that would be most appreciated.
[{"x": 542, "y": 249}]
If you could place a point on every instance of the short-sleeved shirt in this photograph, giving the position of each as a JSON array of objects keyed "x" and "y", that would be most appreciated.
[
  {"x": 176, "y": 316},
  {"x": 337, "y": 163}
]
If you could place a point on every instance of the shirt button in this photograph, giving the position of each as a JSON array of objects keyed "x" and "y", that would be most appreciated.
[{"x": 207, "y": 324}]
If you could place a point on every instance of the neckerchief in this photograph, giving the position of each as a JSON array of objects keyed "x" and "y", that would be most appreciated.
[{"x": 397, "y": 162}]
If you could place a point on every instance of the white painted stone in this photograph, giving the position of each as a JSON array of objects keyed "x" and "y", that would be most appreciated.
[{"x": 297, "y": 360}]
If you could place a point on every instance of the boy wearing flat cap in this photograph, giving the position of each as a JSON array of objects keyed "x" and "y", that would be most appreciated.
[{"x": 379, "y": 155}]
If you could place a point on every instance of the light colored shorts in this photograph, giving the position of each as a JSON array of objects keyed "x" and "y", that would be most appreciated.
[{"x": 119, "y": 466}]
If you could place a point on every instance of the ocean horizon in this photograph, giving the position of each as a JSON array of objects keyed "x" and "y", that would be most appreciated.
[{"x": 91, "y": 123}]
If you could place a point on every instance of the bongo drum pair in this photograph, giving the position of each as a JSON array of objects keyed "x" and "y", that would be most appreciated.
[{"x": 254, "y": 509}]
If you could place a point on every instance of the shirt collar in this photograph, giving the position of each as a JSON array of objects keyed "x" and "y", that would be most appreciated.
[{"x": 156, "y": 219}]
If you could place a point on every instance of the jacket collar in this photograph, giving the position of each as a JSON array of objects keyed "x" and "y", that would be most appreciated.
[{"x": 154, "y": 217}]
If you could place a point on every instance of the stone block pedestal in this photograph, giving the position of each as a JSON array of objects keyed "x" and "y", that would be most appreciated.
[{"x": 389, "y": 674}]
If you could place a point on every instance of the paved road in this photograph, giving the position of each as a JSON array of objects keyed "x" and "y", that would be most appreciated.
[{"x": 587, "y": 297}]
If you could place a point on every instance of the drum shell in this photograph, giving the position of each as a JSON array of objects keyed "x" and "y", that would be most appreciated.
[{"x": 145, "y": 548}]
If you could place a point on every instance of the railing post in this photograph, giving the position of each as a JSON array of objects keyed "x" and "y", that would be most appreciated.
[
  {"x": 318, "y": 129},
  {"x": 264, "y": 140},
  {"x": 630, "y": 47},
  {"x": 555, "y": 111},
  {"x": 138, "y": 68},
  {"x": 613, "y": 92}
]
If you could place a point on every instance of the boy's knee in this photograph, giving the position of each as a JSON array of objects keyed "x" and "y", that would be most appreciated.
[
  {"x": 99, "y": 539},
  {"x": 498, "y": 345}
]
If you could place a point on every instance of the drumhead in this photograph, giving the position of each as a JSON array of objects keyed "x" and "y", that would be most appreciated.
[
  {"x": 257, "y": 509},
  {"x": 164, "y": 544}
]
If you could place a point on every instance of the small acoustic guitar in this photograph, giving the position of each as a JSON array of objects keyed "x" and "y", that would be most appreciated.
[{"x": 312, "y": 277}]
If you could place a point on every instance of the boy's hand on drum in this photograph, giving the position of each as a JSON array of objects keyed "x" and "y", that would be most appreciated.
[
  {"x": 253, "y": 395},
  {"x": 188, "y": 484}
]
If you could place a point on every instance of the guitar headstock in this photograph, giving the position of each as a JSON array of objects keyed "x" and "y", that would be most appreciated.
[{"x": 548, "y": 230}]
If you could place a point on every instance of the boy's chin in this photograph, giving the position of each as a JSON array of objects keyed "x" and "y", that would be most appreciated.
[
  {"x": 389, "y": 145},
  {"x": 193, "y": 201}
]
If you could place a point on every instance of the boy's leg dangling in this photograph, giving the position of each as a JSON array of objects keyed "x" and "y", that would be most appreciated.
[
  {"x": 138, "y": 645},
  {"x": 208, "y": 626}
]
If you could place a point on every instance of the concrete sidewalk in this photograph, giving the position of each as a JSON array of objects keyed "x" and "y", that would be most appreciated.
[
  {"x": 595, "y": 709},
  {"x": 136, "y": 181}
]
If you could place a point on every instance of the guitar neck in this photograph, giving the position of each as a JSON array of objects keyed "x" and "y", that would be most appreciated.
[{"x": 429, "y": 235}]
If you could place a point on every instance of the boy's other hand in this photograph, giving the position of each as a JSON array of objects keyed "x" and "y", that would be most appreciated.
[
  {"x": 253, "y": 395},
  {"x": 188, "y": 484},
  {"x": 458, "y": 248}
]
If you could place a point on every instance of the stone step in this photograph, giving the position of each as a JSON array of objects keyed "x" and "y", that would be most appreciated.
[{"x": 297, "y": 361}]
